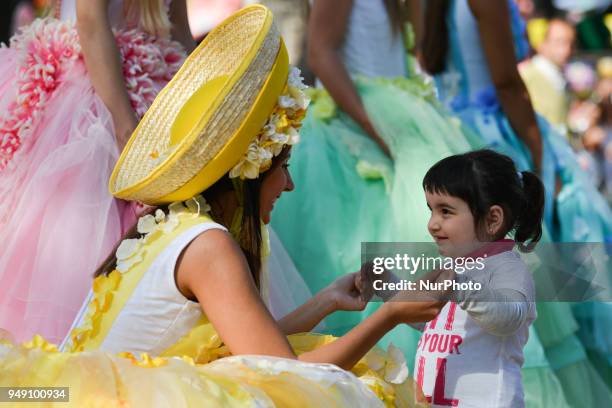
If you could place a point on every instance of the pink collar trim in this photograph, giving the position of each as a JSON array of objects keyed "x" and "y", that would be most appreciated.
[{"x": 493, "y": 248}]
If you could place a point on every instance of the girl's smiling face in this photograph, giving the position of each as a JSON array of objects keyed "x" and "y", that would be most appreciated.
[{"x": 451, "y": 225}]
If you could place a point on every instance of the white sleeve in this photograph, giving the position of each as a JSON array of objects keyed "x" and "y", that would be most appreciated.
[
  {"x": 505, "y": 301},
  {"x": 502, "y": 316}
]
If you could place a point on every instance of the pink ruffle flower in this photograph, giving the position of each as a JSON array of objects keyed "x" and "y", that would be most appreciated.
[{"x": 47, "y": 48}]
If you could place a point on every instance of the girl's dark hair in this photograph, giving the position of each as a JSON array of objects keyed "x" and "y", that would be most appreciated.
[
  {"x": 484, "y": 178},
  {"x": 249, "y": 237},
  {"x": 435, "y": 36}
]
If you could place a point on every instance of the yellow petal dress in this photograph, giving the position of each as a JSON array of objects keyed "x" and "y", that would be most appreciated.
[{"x": 114, "y": 357}]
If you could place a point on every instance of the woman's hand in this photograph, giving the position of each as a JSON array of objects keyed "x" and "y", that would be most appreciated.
[
  {"x": 416, "y": 306},
  {"x": 403, "y": 309},
  {"x": 345, "y": 293},
  {"x": 371, "y": 131},
  {"x": 124, "y": 127}
]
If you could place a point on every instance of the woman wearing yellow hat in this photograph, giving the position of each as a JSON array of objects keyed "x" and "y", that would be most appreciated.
[{"x": 175, "y": 317}]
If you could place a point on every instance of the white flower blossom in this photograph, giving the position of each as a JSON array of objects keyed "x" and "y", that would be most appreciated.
[
  {"x": 124, "y": 265},
  {"x": 270, "y": 142},
  {"x": 287, "y": 102},
  {"x": 177, "y": 207},
  {"x": 299, "y": 97},
  {"x": 197, "y": 205},
  {"x": 146, "y": 224},
  {"x": 294, "y": 136},
  {"x": 128, "y": 254},
  {"x": 269, "y": 129},
  {"x": 127, "y": 248},
  {"x": 295, "y": 78},
  {"x": 392, "y": 364},
  {"x": 159, "y": 216},
  {"x": 170, "y": 224},
  {"x": 131, "y": 251},
  {"x": 396, "y": 370},
  {"x": 375, "y": 359}
]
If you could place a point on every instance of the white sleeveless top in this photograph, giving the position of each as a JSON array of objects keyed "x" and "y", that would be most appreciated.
[
  {"x": 157, "y": 314},
  {"x": 370, "y": 47}
]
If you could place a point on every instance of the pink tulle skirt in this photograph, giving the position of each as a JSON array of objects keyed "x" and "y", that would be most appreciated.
[{"x": 58, "y": 221}]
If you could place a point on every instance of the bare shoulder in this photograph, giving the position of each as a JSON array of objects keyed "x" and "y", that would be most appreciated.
[
  {"x": 213, "y": 256},
  {"x": 212, "y": 249}
]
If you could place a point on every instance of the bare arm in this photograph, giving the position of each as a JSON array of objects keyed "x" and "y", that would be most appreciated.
[
  {"x": 347, "y": 350},
  {"x": 104, "y": 66},
  {"x": 493, "y": 19},
  {"x": 343, "y": 294},
  {"x": 214, "y": 271},
  {"x": 306, "y": 317},
  {"x": 415, "y": 19},
  {"x": 326, "y": 28},
  {"x": 180, "y": 25}
]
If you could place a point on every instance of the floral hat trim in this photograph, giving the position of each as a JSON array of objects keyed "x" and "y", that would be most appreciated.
[{"x": 280, "y": 130}]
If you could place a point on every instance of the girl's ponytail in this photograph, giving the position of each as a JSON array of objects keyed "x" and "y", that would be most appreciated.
[{"x": 529, "y": 221}]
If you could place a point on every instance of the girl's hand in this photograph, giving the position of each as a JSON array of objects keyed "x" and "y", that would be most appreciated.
[{"x": 345, "y": 293}]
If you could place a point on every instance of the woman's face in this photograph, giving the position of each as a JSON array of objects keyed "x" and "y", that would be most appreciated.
[{"x": 274, "y": 183}]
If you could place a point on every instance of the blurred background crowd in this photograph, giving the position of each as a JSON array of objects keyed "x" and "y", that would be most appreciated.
[{"x": 568, "y": 73}]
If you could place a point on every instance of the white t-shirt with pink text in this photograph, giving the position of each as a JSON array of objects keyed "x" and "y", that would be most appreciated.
[{"x": 471, "y": 354}]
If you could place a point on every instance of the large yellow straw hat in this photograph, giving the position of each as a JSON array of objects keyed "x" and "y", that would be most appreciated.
[{"x": 210, "y": 118}]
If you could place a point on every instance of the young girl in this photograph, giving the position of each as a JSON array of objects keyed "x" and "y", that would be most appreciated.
[
  {"x": 471, "y": 354},
  {"x": 212, "y": 154},
  {"x": 472, "y": 48},
  {"x": 71, "y": 92}
]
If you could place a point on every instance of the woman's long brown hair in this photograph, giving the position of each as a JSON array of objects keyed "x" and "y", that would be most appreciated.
[{"x": 249, "y": 238}]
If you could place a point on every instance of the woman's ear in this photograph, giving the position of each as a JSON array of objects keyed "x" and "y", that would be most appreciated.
[{"x": 494, "y": 221}]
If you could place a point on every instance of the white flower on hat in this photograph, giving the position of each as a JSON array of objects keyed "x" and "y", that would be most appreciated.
[
  {"x": 250, "y": 165},
  {"x": 295, "y": 78},
  {"x": 287, "y": 102},
  {"x": 279, "y": 131}
]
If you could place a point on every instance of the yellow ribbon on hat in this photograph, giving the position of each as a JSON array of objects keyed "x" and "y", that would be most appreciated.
[{"x": 232, "y": 151}]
